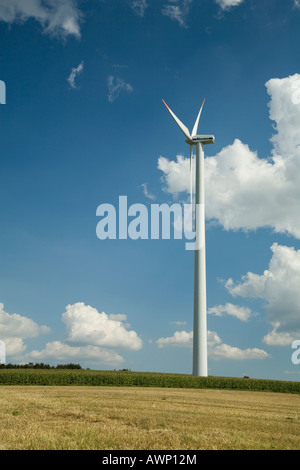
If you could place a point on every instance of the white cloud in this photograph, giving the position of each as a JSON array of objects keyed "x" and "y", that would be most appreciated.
[
  {"x": 175, "y": 174},
  {"x": 278, "y": 286},
  {"x": 242, "y": 313},
  {"x": 57, "y": 352},
  {"x": 139, "y": 7},
  {"x": 58, "y": 17},
  {"x": 275, "y": 338},
  {"x": 244, "y": 191},
  {"x": 115, "y": 86},
  {"x": 85, "y": 325},
  {"x": 75, "y": 71},
  {"x": 117, "y": 316},
  {"x": 146, "y": 192},
  {"x": 227, "y": 4},
  {"x": 14, "y": 347},
  {"x": 14, "y": 328},
  {"x": 224, "y": 351},
  {"x": 15, "y": 325},
  {"x": 177, "y": 10},
  {"x": 216, "y": 349},
  {"x": 90, "y": 336},
  {"x": 179, "y": 339}
]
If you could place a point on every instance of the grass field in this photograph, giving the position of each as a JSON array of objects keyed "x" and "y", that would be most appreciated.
[{"x": 146, "y": 418}]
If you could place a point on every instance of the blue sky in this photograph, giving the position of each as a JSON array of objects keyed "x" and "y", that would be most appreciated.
[{"x": 84, "y": 124}]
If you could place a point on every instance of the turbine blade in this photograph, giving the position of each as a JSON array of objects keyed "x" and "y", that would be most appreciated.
[
  {"x": 195, "y": 129},
  {"x": 183, "y": 128}
]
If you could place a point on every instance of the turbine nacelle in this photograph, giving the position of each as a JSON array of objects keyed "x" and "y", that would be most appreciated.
[{"x": 203, "y": 139}]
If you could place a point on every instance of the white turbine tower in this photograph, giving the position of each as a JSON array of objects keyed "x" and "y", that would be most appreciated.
[{"x": 200, "y": 323}]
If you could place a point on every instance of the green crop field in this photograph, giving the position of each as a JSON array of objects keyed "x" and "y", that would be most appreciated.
[
  {"x": 64, "y": 409},
  {"x": 140, "y": 379}
]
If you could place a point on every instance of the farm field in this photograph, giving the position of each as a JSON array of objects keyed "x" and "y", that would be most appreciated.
[
  {"x": 32, "y": 376},
  {"x": 146, "y": 418}
]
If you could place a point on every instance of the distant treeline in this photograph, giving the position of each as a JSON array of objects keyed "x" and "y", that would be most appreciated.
[{"x": 40, "y": 365}]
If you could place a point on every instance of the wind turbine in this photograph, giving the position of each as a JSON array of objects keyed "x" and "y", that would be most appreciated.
[{"x": 200, "y": 314}]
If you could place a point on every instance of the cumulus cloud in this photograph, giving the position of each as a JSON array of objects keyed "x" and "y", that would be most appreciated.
[
  {"x": 175, "y": 174},
  {"x": 139, "y": 7},
  {"x": 227, "y": 4},
  {"x": 90, "y": 337},
  {"x": 224, "y": 351},
  {"x": 179, "y": 339},
  {"x": 58, "y": 17},
  {"x": 14, "y": 325},
  {"x": 57, "y": 351},
  {"x": 278, "y": 338},
  {"x": 117, "y": 317},
  {"x": 85, "y": 325},
  {"x": 278, "y": 286},
  {"x": 177, "y": 10},
  {"x": 216, "y": 349},
  {"x": 75, "y": 71},
  {"x": 244, "y": 191},
  {"x": 14, "y": 328},
  {"x": 14, "y": 347},
  {"x": 116, "y": 86},
  {"x": 242, "y": 313}
]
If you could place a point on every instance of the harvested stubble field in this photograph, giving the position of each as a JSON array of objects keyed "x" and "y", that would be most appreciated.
[{"x": 146, "y": 418}]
